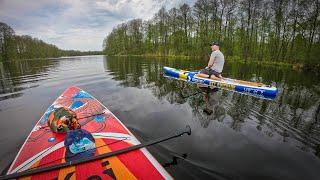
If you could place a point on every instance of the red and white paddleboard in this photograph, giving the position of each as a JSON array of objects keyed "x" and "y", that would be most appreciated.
[{"x": 101, "y": 132}]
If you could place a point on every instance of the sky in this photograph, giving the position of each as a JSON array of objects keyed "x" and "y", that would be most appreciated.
[{"x": 76, "y": 24}]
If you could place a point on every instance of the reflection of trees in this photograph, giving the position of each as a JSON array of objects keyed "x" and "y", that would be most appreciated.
[
  {"x": 298, "y": 114},
  {"x": 207, "y": 107},
  {"x": 294, "y": 114},
  {"x": 239, "y": 114},
  {"x": 16, "y": 74}
]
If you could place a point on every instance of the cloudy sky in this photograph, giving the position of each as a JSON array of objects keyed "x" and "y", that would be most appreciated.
[{"x": 76, "y": 24}]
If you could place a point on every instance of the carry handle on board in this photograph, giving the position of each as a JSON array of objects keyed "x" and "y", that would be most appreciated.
[{"x": 186, "y": 130}]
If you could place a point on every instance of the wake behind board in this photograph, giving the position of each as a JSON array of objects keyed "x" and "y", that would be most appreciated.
[
  {"x": 250, "y": 88},
  {"x": 101, "y": 132}
]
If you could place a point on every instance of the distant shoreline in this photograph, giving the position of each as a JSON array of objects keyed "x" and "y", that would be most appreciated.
[
  {"x": 295, "y": 66},
  {"x": 53, "y": 58}
]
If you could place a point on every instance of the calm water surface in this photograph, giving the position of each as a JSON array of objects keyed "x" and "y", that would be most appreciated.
[{"x": 234, "y": 136}]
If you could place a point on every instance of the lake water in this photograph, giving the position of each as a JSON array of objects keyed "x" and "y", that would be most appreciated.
[{"x": 234, "y": 136}]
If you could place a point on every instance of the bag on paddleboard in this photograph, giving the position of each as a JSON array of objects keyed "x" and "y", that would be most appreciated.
[{"x": 62, "y": 120}]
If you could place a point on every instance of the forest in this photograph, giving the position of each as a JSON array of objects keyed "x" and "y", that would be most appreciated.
[
  {"x": 13, "y": 47},
  {"x": 248, "y": 30}
]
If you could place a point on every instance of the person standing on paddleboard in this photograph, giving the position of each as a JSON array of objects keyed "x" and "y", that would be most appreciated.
[{"x": 215, "y": 64}]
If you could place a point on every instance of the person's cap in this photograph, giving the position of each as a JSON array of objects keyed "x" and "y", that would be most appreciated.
[{"x": 215, "y": 43}]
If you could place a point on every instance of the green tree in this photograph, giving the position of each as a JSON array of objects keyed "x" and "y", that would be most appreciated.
[{"x": 269, "y": 30}]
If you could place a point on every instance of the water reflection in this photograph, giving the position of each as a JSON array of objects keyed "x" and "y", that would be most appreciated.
[
  {"x": 16, "y": 76},
  {"x": 231, "y": 132},
  {"x": 293, "y": 116}
]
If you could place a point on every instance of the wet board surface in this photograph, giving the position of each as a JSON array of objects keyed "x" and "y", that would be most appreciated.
[{"x": 101, "y": 132}]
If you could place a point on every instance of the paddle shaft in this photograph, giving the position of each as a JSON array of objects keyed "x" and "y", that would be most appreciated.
[{"x": 187, "y": 130}]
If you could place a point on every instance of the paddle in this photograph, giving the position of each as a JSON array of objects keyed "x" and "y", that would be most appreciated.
[{"x": 186, "y": 130}]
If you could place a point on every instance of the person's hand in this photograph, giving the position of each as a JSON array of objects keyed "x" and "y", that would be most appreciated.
[{"x": 207, "y": 67}]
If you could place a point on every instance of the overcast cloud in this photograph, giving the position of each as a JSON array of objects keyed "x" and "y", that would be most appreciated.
[{"x": 76, "y": 24}]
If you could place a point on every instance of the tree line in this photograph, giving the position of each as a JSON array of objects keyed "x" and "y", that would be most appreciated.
[
  {"x": 26, "y": 47},
  {"x": 268, "y": 30}
]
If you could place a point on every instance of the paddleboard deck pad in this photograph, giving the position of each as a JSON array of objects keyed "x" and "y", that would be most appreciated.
[
  {"x": 101, "y": 132},
  {"x": 250, "y": 88}
]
